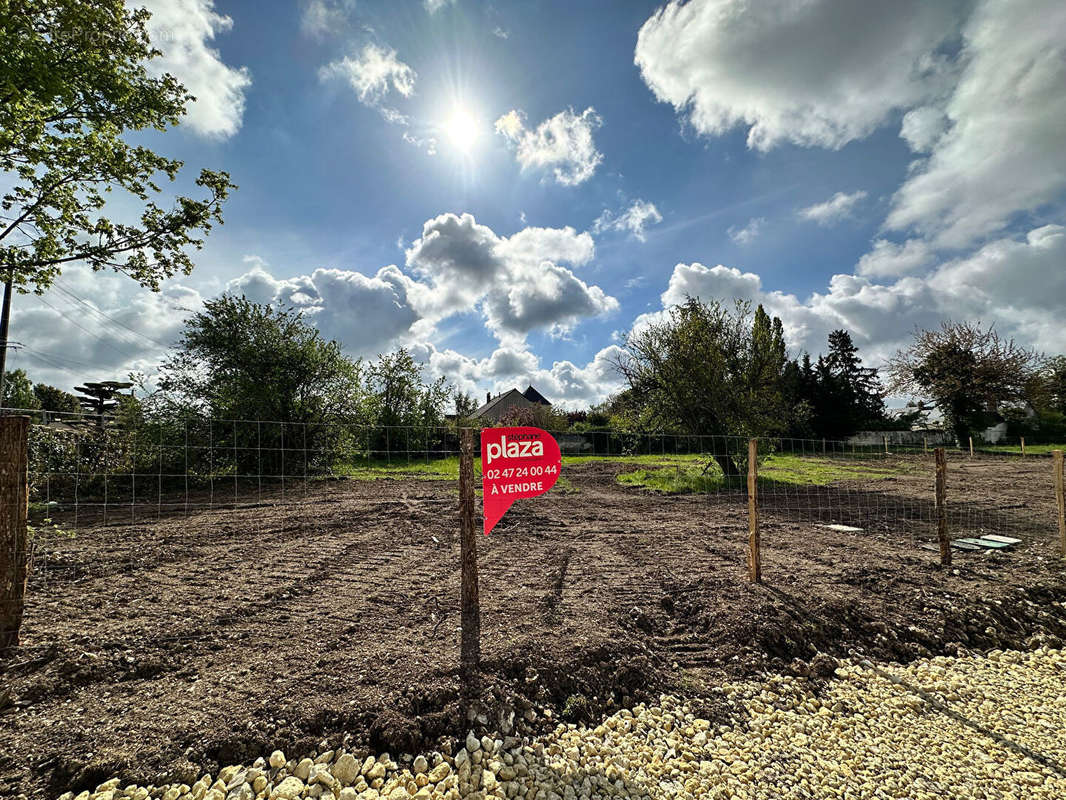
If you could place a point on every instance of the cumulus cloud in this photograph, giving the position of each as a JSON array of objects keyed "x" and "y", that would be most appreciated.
[
  {"x": 635, "y": 219},
  {"x": 518, "y": 280},
  {"x": 1016, "y": 283},
  {"x": 433, "y": 6},
  {"x": 888, "y": 259},
  {"x": 566, "y": 384},
  {"x": 819, "y": 73},
  {"x": 115, "y": 327},
  {"x": 1001, "y": 152},
  {"x": 373, "y": 74},
  {"x": 834, "y": 209},
  {"x": 562, "y": 144},
  {"x": 183, "y": 30},
  {"x": 922, "y": 127},
  {"x": 749, "y": 232}
]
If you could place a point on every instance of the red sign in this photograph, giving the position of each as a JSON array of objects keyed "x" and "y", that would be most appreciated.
[{"x": 515, "y": 463}]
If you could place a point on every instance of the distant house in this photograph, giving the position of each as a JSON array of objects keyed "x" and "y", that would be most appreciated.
[{"x": 496, "y": 408}]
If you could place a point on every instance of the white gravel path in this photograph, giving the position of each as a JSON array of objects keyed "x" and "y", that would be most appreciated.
[{"x": 977, "y": 727}]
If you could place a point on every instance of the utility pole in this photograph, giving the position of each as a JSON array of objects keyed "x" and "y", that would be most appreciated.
[{"x": 5, "y": 319}]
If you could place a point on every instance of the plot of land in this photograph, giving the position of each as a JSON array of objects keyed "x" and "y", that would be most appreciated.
[{"x": 213, "y": 637}]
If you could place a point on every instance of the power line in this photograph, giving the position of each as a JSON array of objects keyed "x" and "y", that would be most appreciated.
[
  {"x": 102, "y": 340},
  {"x": 95, "y": 310}
]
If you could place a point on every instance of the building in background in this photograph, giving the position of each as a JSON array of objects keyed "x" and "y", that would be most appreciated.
[{"x": 496, "y": 408}]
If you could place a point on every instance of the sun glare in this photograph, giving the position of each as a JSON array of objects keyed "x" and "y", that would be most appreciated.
[{"x": 462, "y": 130}]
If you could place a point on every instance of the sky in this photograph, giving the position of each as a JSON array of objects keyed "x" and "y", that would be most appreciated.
[{"x": 507, "y": 189}]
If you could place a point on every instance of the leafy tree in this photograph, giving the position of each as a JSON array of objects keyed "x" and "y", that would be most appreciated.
[
  {"x": 51, "y": 398},
  {"x": 241, "y": 360},
  {"x": 706, "y": 369},
  {"x": 18, "y": 391},
  {"x": 73, "y": 84},
  {"x": 465, "y": 406},
  {"x": 398, "y": 395},
  {"x": 966, "y": 369}
]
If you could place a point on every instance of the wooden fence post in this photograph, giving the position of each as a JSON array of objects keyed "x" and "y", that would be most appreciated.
[
  {"x": 754, "y": 545},
  {"x": 971, "y": 447},
  {"x": 14, "y": 507},
  {"x": 941, "y": 507},
  {"x": 1023, "y": 447},
  {"x": 470, "y": 611},
  {"x": 885, "y": 438},
  {"x": 1060, "y": 500}
]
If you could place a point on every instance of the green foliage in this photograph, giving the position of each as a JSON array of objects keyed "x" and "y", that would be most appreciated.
[
  {"x": 705, "y": 369},
  {"x": 73, "y": 84},
  {"x": 18, "y": 391},
  {"x": 49, "y": 398},
  {"x": 834, "y": 397},
  {"x": 537, "y": 416},
  {"x": 242, "y": 360},
  {"x": 967, "y": 370},
  {"x": 398, "y": 395}
]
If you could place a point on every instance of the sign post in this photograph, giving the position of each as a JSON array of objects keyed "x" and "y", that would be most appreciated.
[
  {"x": 515, "y": 463},
  {"x": 469, "y": 606}
]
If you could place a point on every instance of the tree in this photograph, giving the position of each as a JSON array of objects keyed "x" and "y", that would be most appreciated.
[
  {"x": 966, "y": 369},
  {"x": 73, "y": 85},
  {"x": 51, "y": 398},
  {"x": 706, "y": 369},
  {"x": 241, "y": 360},
  {"x": 399, "y": 396},
  {"x": 851, "y": 397},
  {"x": 18, "y": 391},
  {"x": 465, "y": 406},
  {"x": 99, "y": 398}
]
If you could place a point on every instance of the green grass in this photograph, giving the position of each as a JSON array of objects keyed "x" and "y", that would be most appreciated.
[
  {"x": 687, "y": 475},
  {"x": 1030, "y": 449},
  {"x": 442, "y": 469}
]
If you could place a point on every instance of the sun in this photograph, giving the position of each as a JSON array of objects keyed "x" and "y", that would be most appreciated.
[{"x": 462, "y": 130}]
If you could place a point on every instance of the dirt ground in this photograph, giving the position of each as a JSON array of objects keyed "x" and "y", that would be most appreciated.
[{"x": 166, "y": 646}]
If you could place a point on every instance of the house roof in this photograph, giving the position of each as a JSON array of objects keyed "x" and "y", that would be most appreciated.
[
  {"x": 534, "y": 396},
  {"x": 496, "y": 401}
]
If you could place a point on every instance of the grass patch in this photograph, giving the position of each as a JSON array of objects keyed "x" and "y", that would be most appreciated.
[
  {"x": 691, "y": 475},
  {"x": 1030, "y": 449},
  {"x": 441, "y": 469}
]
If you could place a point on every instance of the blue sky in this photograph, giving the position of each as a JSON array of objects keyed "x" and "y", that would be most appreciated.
[{"x": 507, "y": 188}]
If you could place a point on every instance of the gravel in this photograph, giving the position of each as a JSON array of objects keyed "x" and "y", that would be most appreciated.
[{"x": 977, "y": 726}]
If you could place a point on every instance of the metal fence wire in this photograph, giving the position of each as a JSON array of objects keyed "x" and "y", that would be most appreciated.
[{"x": 103, "y": 488}]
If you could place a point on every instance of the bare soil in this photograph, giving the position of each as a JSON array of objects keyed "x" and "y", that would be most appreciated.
[{"x": 157, "y": 648}]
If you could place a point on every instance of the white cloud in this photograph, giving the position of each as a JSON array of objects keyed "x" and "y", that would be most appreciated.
[
  {"x": 834, "y": 209},
  {"x": 749, "y": 232},
  {"x": 889, "y": 259},
  {"x": 373, "y": 74},
  {"x": 1002, "y": 152},
  {"x": 565, "y": 384},
  {"x": 518, "y": 280},
  {"x": 1018, "y": 284},
  {"x": 817, "y": 73},
  {"x": 324, "y": 17},
  {"x": 62, "y": 342},
  {"x": 635, "y": 219},
  {"x": 562, "y": 144},
  {"x": 922, "y": 127},
  {"x": 433, "y": 6},
  {"x": 183, "y": 30}
]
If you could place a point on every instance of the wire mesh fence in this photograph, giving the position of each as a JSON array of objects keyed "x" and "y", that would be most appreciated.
[{"x": 101, "y": 487}]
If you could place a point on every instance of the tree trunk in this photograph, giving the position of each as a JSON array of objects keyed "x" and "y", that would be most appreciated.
[{"x": 728, "y": 466}]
